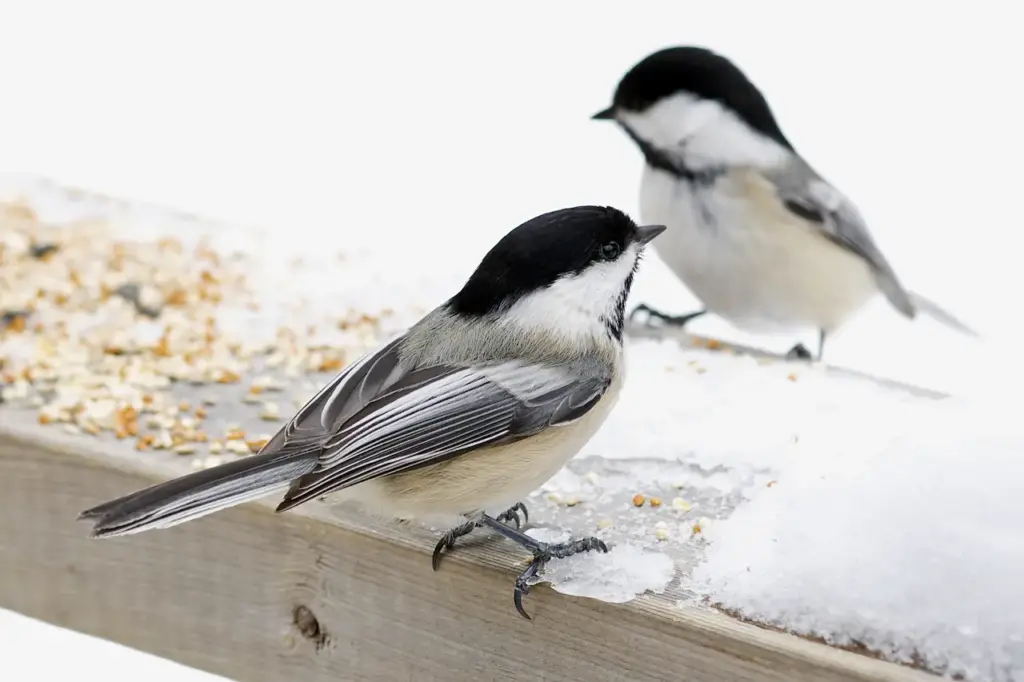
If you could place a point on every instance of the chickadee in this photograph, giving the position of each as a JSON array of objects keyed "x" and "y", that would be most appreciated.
[
  {"x": 459, "y": 418},
  {"x": 754, "y": 232}
]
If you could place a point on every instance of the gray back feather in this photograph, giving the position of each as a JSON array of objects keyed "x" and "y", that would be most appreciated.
[{"x": 809, "y": 196}]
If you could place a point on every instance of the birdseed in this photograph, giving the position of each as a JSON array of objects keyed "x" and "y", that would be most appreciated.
[{"x": 100, "y": 332}]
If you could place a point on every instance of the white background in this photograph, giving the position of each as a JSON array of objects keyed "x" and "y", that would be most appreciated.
[{"x": 440, "y": 126}]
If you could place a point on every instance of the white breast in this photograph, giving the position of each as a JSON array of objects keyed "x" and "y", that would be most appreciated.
[{"x": 748, "y": 259}]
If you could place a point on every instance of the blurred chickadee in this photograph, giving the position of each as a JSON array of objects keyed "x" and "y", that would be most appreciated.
[
  {"x": 458, "y": 419},
  {"x": 754, "y": 232}
]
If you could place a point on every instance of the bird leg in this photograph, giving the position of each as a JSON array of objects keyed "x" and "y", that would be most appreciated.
[
  {"x": 673, "y": 320},
  {"x": 447, "y": 541},
  {"x": 543, "y": 552}
]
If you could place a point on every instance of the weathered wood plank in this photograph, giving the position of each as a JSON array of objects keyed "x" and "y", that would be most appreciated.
[
  {"x": 224, "y": 594},
  {"x": 336, "y": 595}
]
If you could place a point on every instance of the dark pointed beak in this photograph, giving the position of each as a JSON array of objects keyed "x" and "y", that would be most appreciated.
[
  {"x": 604, "y": 115},
  {"x": 645, "y": 233}
]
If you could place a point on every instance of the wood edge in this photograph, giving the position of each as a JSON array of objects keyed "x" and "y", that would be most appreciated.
[
  {"x": 712, "y": 345},
  {"x": 724, "y": 632}
]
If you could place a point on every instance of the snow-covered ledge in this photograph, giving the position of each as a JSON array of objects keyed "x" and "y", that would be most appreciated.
[{"x": 755, "y": 508}]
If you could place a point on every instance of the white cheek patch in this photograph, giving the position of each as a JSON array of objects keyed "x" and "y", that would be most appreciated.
[
  {"x": 577, "y": 305},
  {"x": 703, "y": 133}
]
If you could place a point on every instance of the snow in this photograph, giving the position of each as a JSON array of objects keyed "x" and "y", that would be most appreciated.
[
  {"x": 900, "y": 532},
  {"x": 620, "y": 575},
  {"x": 890, "y": 520}
]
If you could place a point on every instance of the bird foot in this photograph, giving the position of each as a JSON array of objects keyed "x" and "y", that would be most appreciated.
[
  {"x": 799, "y": 352},
  {"x": 544, "y": 553},
  {"x": 671, "y": 320},
  {"x": 512, "y": 514},
  {"x": 447, "y": 541}
]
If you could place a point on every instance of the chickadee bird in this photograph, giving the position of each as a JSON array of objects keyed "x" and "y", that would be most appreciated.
[
  {"x": 754, "y": 231},
  {"x": 459, "y": 418}
]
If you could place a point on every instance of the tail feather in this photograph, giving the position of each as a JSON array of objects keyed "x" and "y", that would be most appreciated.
[
  {"x": 900, "y": 298},
  {"x": 198, "y": 494},
  {"x": 937, "y": 313}
]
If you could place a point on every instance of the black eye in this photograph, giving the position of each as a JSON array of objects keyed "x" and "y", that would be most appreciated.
[{"x": 610, "y": 251}]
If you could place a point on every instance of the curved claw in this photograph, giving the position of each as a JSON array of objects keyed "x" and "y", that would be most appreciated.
[
  {"x": 442, "y": 544},
  {"x": 447, "y": 542},
  {"x": 512, "y": 514},
  {"x": 522, "y": 588}
]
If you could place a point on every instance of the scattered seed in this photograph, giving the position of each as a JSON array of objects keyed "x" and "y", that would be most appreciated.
[
  {"x": 270, "y": 412},
  {"x": 238, "y": 447},
  {"x": 152, "y": 320},
  {"x": 681, "y": 504},
  {"x": 655, "y": 502},
  {"x": 661, "y": 530},
  {"x": 638, "y": 500}
]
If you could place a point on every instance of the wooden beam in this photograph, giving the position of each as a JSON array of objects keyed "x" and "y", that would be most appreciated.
[
  {"x": 687, "y": 340},
  {"x": 331, "y": 595},
  {"x": 309, "y": 595}
]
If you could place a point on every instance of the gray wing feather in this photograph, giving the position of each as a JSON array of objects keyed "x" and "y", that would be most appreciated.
[
  {"x": 353, "y": 388},
  {"x": 810, "y": 197},
  {"x": 376, "y": 417},
  {"x": 432, "y": 414}
]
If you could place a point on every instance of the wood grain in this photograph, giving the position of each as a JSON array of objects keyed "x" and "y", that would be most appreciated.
[
  {"x": 252, "y": 595},
  {"x": 312, "y": 596}
]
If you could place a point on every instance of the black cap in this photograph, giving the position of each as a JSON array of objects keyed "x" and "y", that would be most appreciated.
[
  {"x": 544, "y": 249},
  {"x": 699, "y": 72}
]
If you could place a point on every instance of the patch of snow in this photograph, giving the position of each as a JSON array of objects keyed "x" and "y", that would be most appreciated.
[
  {"x": 728, "y": 411},
  {"x": 625, "y": 572},
  {"x": 898, "y": 530}
]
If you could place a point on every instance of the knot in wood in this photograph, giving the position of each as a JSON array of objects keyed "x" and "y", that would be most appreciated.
[{"x": 306, "y": 622}]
